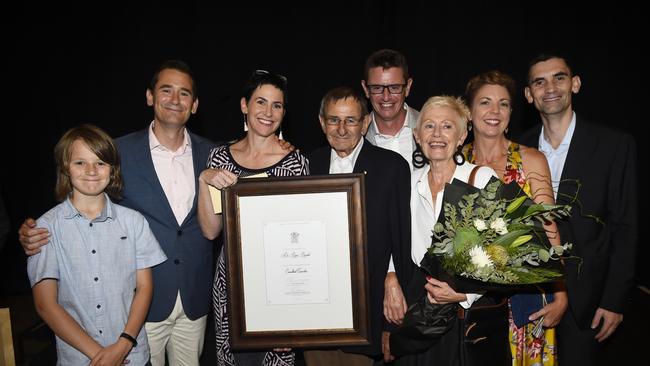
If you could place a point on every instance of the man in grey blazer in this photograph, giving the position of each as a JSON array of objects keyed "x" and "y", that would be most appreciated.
[
  {"x": 603, "y": 161},
  {"x": 386, "y": 84}
]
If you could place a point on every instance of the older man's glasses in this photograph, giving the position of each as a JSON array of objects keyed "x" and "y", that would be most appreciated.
[
  {"x": 392, "y": 88},
  {"x": 348, "y": 121},
  {"x": 264, "y": 72}
]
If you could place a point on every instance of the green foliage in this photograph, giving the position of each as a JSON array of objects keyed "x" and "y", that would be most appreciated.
[{"x": 495, "y": 240}]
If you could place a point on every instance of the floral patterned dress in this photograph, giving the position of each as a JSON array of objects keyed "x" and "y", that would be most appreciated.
[
  {"x": 292, "y": 164},
  {"x": 526, "y": 349}
]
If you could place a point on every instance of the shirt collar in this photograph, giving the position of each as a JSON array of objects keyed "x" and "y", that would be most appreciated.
[
  {"x": 69, "y": 211},
  {"x": 352, "y": 157},
  {"x": 422, "y": 176},
  {"x": 545, "y": 146},
  {"x": 155, "y": 143}
]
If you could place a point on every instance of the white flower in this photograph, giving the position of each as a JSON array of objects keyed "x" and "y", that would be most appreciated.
[
  {"x": 480, "y": 225},
  {"x": 499, "y": 225},
  {"x": 479, "y": 257}
]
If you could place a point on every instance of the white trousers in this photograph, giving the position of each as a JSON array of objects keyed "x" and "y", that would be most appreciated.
[{"x": 179, "y": 336}]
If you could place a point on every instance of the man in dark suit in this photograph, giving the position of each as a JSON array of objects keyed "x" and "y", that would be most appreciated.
[
  {"x": 160, "y": 166},
  {"x": 344, "y": 119},
  {"x": 603, "y": 162}
]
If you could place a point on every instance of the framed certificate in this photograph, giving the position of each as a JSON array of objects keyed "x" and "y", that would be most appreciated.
[{"x": 295, "y": 251}]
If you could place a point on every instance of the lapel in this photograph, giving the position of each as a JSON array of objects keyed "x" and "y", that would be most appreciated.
[
  {"x": 581, "y": 149},
  {"x": 198, "y": 160},
  {"x": 363, "y": 160},
  {"x": 145, "y": 164}
]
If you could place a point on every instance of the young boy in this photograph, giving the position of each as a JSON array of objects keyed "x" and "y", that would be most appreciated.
[{"x": 92, "y": 285}]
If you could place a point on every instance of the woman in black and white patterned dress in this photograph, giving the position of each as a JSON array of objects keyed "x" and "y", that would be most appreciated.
[{"x": 263, "y": 105}]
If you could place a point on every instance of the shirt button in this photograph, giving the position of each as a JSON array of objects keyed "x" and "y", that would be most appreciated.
[
  {"x": 177, "y": 261},
  {"x": 179, "y": 232},
  {"x": 91, "y": 224},
  {"x": 96, "y": 279},
  {"x": 99, "y": 306},
  {"x": 100, "y": 331},
  {"x": 93, "y": 251}
]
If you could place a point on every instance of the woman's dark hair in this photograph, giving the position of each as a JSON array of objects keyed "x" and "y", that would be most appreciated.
[{"x": 263, "y": 77}]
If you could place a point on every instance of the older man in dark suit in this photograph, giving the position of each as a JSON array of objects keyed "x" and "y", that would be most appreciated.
[
  {"x": 603, "y": 161},
  {"x": 344, "y": 119}
]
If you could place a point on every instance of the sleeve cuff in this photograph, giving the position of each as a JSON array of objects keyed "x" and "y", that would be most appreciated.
[{"x": 471, "y": 298}]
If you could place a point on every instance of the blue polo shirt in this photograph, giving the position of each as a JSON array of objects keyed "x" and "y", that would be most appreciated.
[{"x": 95, "y": 263}]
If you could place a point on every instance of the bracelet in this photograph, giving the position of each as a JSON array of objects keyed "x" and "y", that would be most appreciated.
[{"x": 130, "y": 339}]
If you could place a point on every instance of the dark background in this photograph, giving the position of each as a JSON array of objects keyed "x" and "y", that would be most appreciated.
[{"x": 66, "y": 66}]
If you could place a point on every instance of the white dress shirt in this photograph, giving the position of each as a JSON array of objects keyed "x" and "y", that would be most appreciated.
[
  {"x": 175, "y": 171},
  {"x": 401, "y": 143},
  {"x": 557, "y": 157},
  {"x": 425, "y": 211},
  {"x": 339, "y": 165}
]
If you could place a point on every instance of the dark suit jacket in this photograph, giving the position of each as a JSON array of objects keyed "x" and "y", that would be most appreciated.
[
  {"x": 189, "y": 267},
  {"x": 387, "y": 187},
  {"x": 603, "y": 161}
]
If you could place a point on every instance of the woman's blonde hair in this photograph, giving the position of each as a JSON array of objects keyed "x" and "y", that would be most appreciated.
[{"x": 454, "y": 103}]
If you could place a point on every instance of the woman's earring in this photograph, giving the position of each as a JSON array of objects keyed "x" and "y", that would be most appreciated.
[
  {"x": 469, "y": 126},
  {"x": 459, "y": 158},
  {"x": 245, "y": 123},
  {"x": 419, "y": 160}
]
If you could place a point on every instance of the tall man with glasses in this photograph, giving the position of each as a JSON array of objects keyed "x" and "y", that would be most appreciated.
[
  {"x": 344, "y": 119},
  {"x": 387, "y": 84}
]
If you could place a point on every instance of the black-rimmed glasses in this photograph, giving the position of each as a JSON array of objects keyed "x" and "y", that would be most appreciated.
[
  {"x": 264, "y": 72},
  {"x": 379, "y": 89}
]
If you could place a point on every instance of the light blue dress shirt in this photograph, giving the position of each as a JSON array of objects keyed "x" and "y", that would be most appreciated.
[{"x": 95, "y": 263}]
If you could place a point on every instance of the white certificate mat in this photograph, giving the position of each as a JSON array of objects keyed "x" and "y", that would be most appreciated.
[
  {"x": 305, "y": 266},
  {"x": 295, "y": 255}
]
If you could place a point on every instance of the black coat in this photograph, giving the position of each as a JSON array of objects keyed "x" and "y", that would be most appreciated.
[{"x": 603, "y": 161}]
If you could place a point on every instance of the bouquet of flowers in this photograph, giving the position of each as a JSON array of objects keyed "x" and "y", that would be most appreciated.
[
  {"x": 496, "y": 236},
  {"x": 486, "y": 239}
]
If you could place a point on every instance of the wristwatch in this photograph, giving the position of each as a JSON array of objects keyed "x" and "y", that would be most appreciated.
[{"x": 130, "y": 339}]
